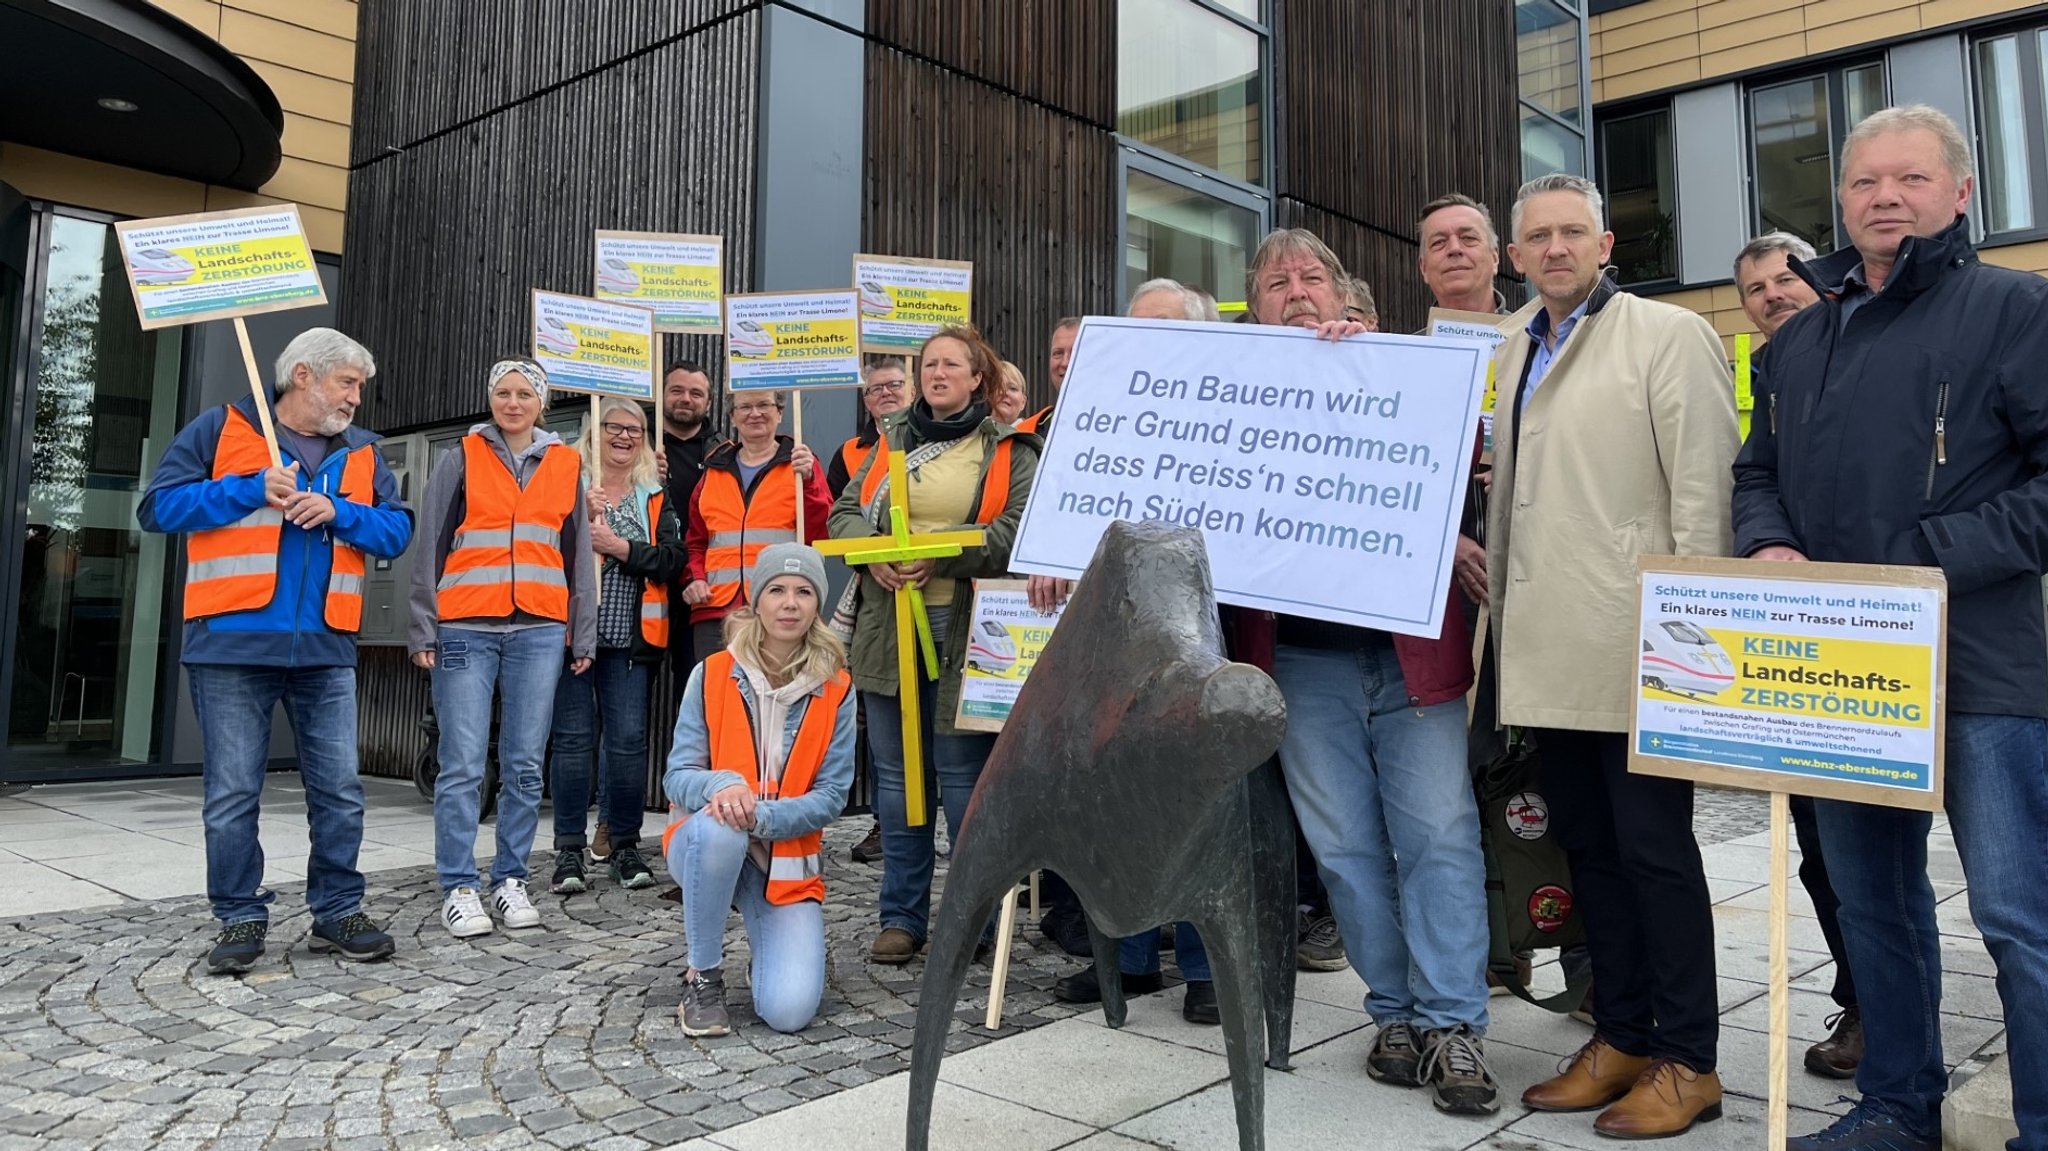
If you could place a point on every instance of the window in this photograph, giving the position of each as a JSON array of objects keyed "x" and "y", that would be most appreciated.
[
  {"x": 1190, "y": 82},
  {"x": 2011, "y": 77},
  {"x": 1199, "y": 238},
  {"x": 1550, "y": 64},
  {"x": 1639, "y": 177},
  {"x": 1796, "y": 132}
]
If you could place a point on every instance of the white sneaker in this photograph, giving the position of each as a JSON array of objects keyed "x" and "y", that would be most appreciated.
[
  {"x": 463, "y": 913},
  {"x": 509, "y": 898}
]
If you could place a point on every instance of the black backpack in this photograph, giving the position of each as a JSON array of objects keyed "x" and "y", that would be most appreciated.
[{"x": 1529, "y": 896}]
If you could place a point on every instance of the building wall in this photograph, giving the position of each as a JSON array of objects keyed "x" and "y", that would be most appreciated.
[
  {"x": 306, "y": 51},
  {"x": 1664, "y": 44}
]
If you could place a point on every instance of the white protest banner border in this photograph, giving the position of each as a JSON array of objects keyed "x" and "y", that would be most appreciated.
[
  {"x": 904, "y": 300},
  {"x": 595, "y": 346},
  {"x": 1485, "y": 327},
  {"x": 680, "y": 276},
  {"x": 1004, "y": 640},
  {"x": 1327, "y": 477},
  {"x": 219, "y": 265},
  {"x": 1807, "y": 678},
  {"x": 792, "y": 340}
]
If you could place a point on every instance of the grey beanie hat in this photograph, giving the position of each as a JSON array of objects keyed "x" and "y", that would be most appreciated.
[{"x": 788, "y": 559}]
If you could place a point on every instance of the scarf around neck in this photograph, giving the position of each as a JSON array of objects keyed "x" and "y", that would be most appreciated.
[{"x": 926, "y": 428}]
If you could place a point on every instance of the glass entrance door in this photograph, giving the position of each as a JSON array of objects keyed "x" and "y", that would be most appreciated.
[{"x": 86, "y": 674}]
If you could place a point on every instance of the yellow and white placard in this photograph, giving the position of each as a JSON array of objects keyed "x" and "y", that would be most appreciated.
[
  {"x": 1003, "y": 645},
  {"x": 1486, "y": 328},
  {"x": 219, "y": 265},
  {"x": 595, "y": 346},
  {"x": 904, "y": 301},
  {"x": 792, "y": 340},
  {"x": 681, "y": 277}
]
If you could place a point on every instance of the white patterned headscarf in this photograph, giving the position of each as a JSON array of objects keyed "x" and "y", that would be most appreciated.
[{"x": 534, "y": 373}]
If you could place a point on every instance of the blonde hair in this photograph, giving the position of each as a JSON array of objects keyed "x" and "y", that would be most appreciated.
[
  {"x": 1955, "y": 149},
  {"x": 643, "y": 473},
  {"x": 820, "y": 655}
]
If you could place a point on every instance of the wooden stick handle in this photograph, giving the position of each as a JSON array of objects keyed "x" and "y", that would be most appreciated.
[
  {"x": 261, "y": 393},
  {"x": 1000, "y": 978},
  {"x": 796, "y": 400},
  {"x": 1781, "y": 991}
]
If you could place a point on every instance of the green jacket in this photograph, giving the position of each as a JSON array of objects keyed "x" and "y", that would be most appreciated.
[{"x": 873, "y": 658}]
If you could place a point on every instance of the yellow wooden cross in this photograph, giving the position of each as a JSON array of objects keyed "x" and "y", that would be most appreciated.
[{"x": 913, "y": 626}]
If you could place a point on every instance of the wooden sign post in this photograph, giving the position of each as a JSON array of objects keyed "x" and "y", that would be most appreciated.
[
  {"x": 220, "y": 266},
  {"x": 1812, "y": 679}
]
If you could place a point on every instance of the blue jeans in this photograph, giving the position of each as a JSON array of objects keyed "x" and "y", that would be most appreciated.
[
  {"x": 613, "y": 695},
  {"x": 1997, "y": 799},
  {"x": 469, "y": 667},
  {"x": 1139, "y": 954},
  {"x": 952, "y": 767},
  {"x": 234, "y": 706},
  {"x": 1384, "y": 798},
  {"x": 787, "y": 940}
]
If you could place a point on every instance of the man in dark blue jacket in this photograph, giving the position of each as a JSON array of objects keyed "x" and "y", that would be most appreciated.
[
  {"x": 1907, "y": 423},
  {"x": 275, "y": 559}
]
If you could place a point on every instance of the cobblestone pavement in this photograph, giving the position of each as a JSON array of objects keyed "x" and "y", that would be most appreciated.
[{"x": 112, "y": 1033}]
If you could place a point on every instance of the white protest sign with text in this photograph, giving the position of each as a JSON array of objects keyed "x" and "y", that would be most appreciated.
[
  {"x": 1327, "y": 477},
  {"x": 1485, "y": 328},
  {"x": 681, "y": 277},
  {"x": 219, "y": 265},
  {"x": 595, "y": 346}
]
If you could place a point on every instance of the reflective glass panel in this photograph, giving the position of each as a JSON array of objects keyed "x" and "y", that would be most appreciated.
[
  {"x": 1863, "y": 90},
  {"x": 1548, "y": 147},
  {"x": 2002, "y": 136},
  {"x": 1189, "y": 83},
  {"x": 1186, "y": 235},
  {"x": 1794, "y": 167},
  {"x": 1638, "y": 176},
  {"x": 1547, "y": 57}
]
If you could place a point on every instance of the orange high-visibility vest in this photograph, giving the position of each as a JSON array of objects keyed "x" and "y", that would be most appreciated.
[
  {"x": 795, "y": 865},
  {"x": 507, "y": 552},
  {"x": 1036, "y": 421},
  {"x": 855, "y": 453},
  {"x": 234, "y": 568},
  {"x": 995, "y": 482},
  {"x": 345, "y": 574},
  {"x": 654, "y": 596},
  {"x": 740, "y": 528}
]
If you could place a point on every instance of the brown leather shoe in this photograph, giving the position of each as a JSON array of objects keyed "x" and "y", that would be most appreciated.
[
  {"x": 1836, "y": 1056},
  {"x": 893, "y": 945},
  {"x": 1667, "y": 1100},
  {"x": 1595, "y": 1077}
]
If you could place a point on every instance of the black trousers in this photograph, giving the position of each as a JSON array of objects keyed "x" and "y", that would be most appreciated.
[
  {"x": 1813, "y": 875},
  {"x": 1643, "y": 891}
]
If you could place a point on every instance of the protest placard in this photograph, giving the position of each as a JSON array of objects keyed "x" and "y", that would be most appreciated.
[
  {"x": 1004, "y": 640},
  {"x": 1815, "y": 679},
  {"x": 792, "y": 340},
  {"x": 904, "y": 300},
  {"x": 1328, "y": 477},
  {"x": 681, "y": 277},
  {"x": 595, "y": 346},
  {"x": 1486, "y": 328},
  {"x": 224, "y": 265}
]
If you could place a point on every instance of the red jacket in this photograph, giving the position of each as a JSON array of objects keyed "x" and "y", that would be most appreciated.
[{"x": 1435, "y": 669}]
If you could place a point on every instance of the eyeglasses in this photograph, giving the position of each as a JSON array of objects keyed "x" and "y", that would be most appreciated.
[
  {"x": 754, "y": 409},
  {"x": 622, "y": 431},
  {"x": 888, "y": 389}
]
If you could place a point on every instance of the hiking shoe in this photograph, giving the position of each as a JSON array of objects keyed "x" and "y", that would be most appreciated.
[
  {"x": 601, "y": 843},
  {"x": 1454, "y": 1066},
  {"x": 869, "y": 849},
  {"x": 629, "y": 870},
  {"x": 569, "y": 873},
  {"x": 702, "y": 1013},
  {"x": 1837, "y": 1056},
  {"x": 1200, "y": 1005},
  {"x": 237, "y": 947},
  {"x": 463, "y": 912},
  {"x": 893, "y": 945},
  {"x": 1320, "y": 947},
  {"x": 357, "y": 938},
  {"x": 1396, "y": 1056},
  {"x": 513, "y": 905},
  {"x": 1867, "y": 1127},
  {"x": 1084, "y": 987}
]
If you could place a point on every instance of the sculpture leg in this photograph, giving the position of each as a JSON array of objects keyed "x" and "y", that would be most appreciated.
[
  {"x": 1274, "y": 899},
  {"x": 1234, "y": 964},
  {"x": 974, "y": 885},
  {"x": 1109, "y": 973}
]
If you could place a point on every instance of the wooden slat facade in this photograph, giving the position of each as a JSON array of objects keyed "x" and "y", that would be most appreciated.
[{"x": 1059, "y": 53}]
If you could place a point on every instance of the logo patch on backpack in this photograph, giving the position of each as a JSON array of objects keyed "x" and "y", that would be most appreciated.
[
  {"x": 1549, "y": 907},
  {"x": 1528, "y": 815}
]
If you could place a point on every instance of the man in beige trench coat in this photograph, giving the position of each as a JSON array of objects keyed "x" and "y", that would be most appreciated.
[{"x": 1616, "y": 436}]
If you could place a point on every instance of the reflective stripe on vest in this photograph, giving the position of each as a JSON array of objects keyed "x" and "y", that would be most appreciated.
[
  {"x": 653, "y": 595},
  {"x": 995, "y": 482},
  {"x": 795, "y": 865},
  {"x": 234, "y": 568},
  {"x": 507, "y": 552},
  {"x": 741, "y": 527},
  {"x": 345, "y": 576}
]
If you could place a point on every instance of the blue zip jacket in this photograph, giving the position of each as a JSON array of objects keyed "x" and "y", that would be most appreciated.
[{"x": 292, "y": 630}]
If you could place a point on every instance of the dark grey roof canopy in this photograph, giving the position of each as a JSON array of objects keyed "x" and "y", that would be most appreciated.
[{"x": 198, "y": 111}]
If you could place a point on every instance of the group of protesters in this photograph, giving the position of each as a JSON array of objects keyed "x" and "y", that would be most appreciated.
[{"x": 1898, "y": 420}]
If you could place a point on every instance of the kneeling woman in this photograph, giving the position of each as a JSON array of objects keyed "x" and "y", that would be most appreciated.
[{"x": 762, "y": 761}]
